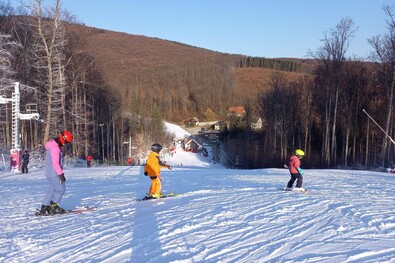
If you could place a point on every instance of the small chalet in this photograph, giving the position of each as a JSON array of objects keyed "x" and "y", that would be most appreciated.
[
  {"x": 236, "y": 111},
  {"x": 193, "y": 122},
  {"x": 191, "y": 145}
]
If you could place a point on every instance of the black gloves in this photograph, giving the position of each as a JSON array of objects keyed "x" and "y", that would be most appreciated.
[
  {"x": 145, "y": 173},
  {"x": 62, "y": 178}
]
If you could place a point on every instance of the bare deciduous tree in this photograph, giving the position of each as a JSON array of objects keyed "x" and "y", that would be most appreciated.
[
  {"x": 331, "y": 57},
  {"x": 384, "y": 55},
  {"x": 50, "y": 64}
]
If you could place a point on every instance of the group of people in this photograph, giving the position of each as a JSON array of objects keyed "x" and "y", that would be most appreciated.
[
  {"x": 154, "y": 165},
  {"x": 57, "y": 187},
  {"x": 57, "y": 181},
  {"x": 23, "y": 161}
]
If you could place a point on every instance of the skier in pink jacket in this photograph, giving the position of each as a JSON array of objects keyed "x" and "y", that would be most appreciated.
[
  {"x": 54, "y": 174},
  {"x": 295, "y": 171}
]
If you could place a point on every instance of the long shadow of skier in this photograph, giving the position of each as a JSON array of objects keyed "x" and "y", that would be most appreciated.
[
  {"x": 145, "y": 243},
  {"x": 145, "y": 229}
]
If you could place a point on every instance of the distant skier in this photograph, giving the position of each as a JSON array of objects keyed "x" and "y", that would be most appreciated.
[
  {"x": 54, "y": 174},
  {"x": 14, "y": 156},
  {"x": 295, "y": 171},
  {"x": 25, "y": 161},
  {"x": 152, "y": 169},
  {"x": 89, "y": 161}
]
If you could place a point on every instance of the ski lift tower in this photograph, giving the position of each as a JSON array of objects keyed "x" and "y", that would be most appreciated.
[{"x": 16, "y": 116}]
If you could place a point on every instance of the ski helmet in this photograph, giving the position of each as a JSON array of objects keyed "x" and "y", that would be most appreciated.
[
  {"x": 156, "y": 147},
  {"x": 299, "y": 153},
  {"x": 65, "y": 137}
]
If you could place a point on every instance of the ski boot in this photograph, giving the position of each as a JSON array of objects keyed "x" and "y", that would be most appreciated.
[
  {"x": 153, "y": 196},
  {"x": 55, "y": 209},
  {"x": 157, "y": 196},
  {"x": 45, "y": 210}
]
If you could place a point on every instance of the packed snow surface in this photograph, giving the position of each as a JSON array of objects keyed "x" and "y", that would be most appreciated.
[{"x": 221, "y": 215}]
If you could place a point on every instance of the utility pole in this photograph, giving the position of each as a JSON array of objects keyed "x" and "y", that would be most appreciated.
[
  {"x": 129, "y": 143},
  {"x": 102, "y": 140},
  {"x": 130, "y": 146}
]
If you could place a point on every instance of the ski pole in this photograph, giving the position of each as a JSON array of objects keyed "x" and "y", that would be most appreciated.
[{"x": 379, "y": 126}]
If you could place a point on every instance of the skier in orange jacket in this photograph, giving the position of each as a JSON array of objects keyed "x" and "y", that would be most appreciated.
[{"x": 152, "y": 169}]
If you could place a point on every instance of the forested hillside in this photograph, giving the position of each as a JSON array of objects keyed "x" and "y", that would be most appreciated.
[
  {"x": 181, "y": 80},
  {"x": 107, "y": 87}
]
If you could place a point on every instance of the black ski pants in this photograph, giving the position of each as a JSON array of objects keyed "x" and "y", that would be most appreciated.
[
  {"x": 24, "y": 167},
  {"x": 294, "y": 177}
]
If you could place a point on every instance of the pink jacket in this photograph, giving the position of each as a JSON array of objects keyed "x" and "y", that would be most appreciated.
[
  {"x": 294, "y": 164},
  {"x": 53, "y": 158}
]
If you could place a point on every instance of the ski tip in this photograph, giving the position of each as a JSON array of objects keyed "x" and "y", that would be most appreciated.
[{"x": 81, "y": 210}]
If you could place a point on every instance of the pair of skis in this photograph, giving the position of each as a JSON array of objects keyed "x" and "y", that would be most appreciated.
[
  {"x": 296, "y": 189},
  {"x": 70, "y": 211},
  {"x": 158, "y": 197}
]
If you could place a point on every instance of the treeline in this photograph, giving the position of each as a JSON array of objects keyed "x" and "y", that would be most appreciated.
[
  {"x": 271, "y": 63},
  {"x": 323, "y": 114}
]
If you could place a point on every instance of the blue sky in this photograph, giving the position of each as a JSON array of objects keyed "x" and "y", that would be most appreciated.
[{"x": 265, "y": 28}]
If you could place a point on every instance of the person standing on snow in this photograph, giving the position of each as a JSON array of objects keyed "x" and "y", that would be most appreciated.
[
  {"x": 152, "y": 169},
  {"x": 89, "y": 161},
  {"x": 25, "y": 161},
  {"x": 54, "y": 174},
  {"x": 13, "y": 159},
  {"x": 295, "y": 171}
]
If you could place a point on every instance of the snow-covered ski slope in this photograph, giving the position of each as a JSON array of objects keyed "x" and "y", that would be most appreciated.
[{"x": 222, "y": 215}]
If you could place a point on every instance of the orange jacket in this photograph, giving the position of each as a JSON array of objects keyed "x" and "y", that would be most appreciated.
[
  {"x": 294, "y": 164},
  {"x": 153, "y": 165}
]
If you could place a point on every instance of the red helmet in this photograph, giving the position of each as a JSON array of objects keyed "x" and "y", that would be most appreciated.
[{"x": 65, "y": 137}]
